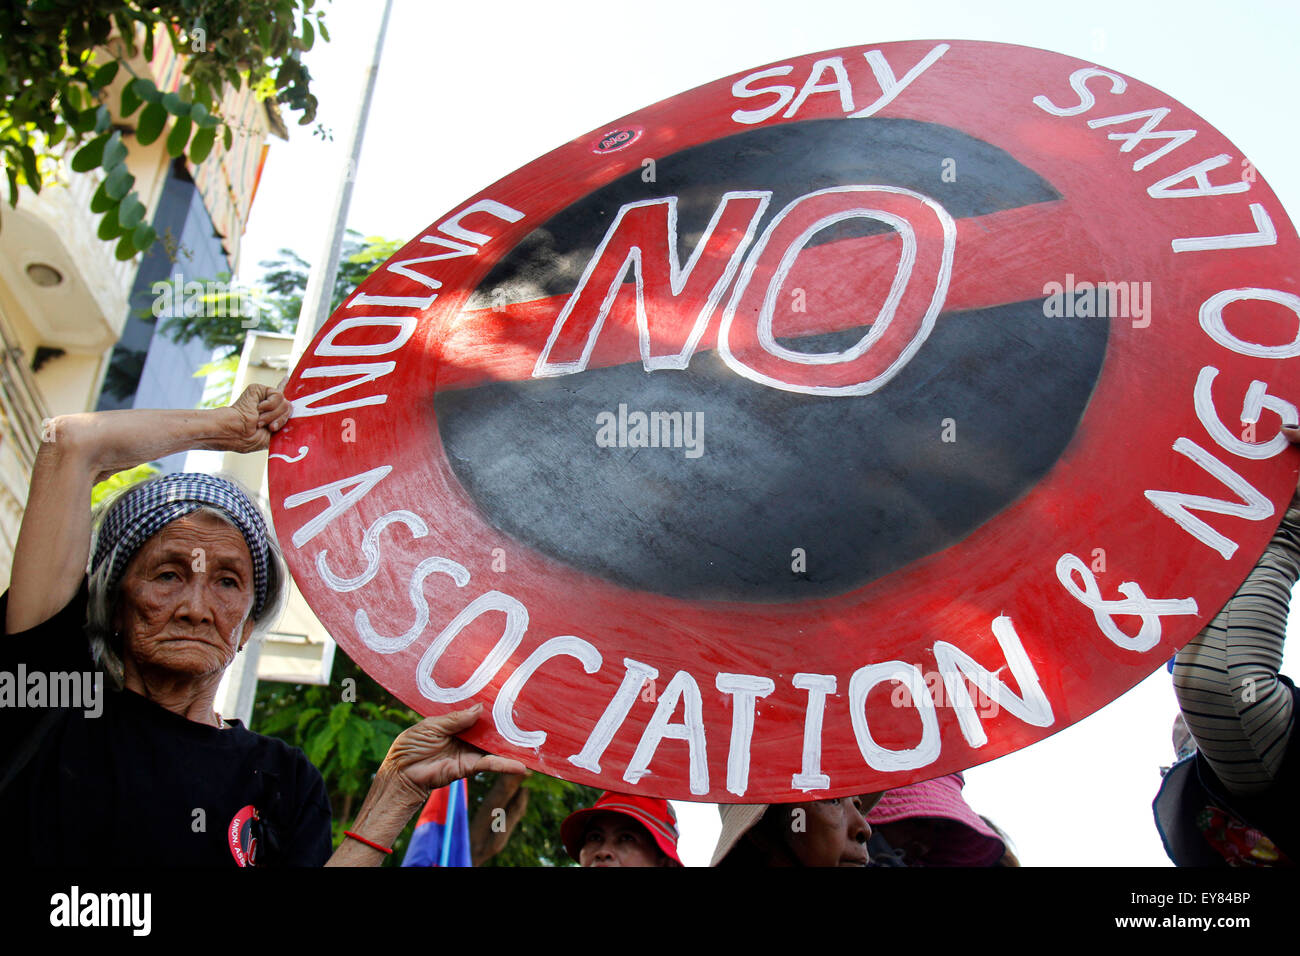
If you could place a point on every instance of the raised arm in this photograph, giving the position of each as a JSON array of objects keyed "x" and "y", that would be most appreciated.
[
  {"x": 54, "y": 542},
  {"x": 1226, "y": 679}
]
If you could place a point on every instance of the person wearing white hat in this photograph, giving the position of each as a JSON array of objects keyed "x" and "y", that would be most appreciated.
[{"x": 818, "y": 833}]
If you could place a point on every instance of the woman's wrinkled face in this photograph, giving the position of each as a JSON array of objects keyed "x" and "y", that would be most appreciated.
[
  {"x": 186, "y": 597},
  {"x": 830, "y": 832}
]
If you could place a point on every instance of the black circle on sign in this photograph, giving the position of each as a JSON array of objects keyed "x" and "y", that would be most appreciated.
[{"x": 863, "y": 484}]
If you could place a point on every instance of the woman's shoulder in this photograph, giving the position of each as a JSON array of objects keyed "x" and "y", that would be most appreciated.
[{"x": 56, "y": 644}]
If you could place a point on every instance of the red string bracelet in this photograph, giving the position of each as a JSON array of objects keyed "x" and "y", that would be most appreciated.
[{"x": 369, "y": 843}]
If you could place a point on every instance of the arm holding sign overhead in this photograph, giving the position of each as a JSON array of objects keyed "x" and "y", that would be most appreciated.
[
  {"x": 1233, "y": 801},
  {"x": 78, "y": 450},
  {"x": 1226, "y": 679}
]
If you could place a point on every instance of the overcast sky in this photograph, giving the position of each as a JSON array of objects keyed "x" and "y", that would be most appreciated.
[{"x": 469, "y": 92}]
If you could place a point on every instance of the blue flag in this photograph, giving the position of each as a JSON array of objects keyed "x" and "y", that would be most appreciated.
[{"x": 441, "y": 835}]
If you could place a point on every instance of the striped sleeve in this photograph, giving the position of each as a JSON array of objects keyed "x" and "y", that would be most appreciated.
[{"x": 1225, "y": 679}]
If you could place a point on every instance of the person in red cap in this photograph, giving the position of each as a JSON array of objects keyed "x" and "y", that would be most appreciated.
[{"x": 622, "y": 830}]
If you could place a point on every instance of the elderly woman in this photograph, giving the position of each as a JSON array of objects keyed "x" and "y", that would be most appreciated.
[{"x": 183, "y": 573}]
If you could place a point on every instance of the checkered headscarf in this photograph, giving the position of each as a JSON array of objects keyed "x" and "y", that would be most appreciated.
[{"x": 143, "y": 511}]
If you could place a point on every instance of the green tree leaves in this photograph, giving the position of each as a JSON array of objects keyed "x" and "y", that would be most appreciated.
[
  {"x": 116, "y": 185},
  {"x": 151, "y": 124},
  {"x": 345, "y": 738},
  {"x": 130, "y": 99},
  {"x": 347, "y": 734},
  {"x": 219, "y": 315},
  {"x": 118, "y": 482},
  {"x": 114, "y": 151},
  {"x": 201, "y": 145},
  {"x": 130, "y": 213},
  {"x": 123, "y": 212},
  {"x": 179, "y": 136},
  {"x": 89, "y": 156},
  {"x": 104, "y": 75},
  {"x": 58, "y": 80}
]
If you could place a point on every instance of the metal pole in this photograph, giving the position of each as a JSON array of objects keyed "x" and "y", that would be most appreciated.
[
  {"x": 239, "y": 685},
  {"x": 449, "y": 821},
  {"x": 320, "y": 281}
]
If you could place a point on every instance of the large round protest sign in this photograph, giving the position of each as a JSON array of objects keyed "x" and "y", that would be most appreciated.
[{"x": 845, "y": 422}]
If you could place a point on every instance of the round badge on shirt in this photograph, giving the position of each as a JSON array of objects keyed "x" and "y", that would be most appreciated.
[{"x": 242, "y": 835}]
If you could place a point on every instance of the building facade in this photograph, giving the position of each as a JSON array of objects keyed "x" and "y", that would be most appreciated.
[{"x": 77, "y": 326}]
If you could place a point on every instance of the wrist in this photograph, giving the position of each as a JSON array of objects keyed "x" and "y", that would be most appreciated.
[
  {"x": 218, "y": 427},
  {"x": 393, "y": 785},
  {"x": 388, "y": 807}
]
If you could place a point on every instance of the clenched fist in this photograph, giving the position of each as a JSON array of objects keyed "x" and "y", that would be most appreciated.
[{"x": 253, "y": 418}]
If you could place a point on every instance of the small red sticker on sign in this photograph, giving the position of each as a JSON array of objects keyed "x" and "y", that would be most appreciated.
[{"x": 611, "y": 141}]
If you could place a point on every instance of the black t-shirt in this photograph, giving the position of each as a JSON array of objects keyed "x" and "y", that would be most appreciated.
[{"x": 139, "y": 785}]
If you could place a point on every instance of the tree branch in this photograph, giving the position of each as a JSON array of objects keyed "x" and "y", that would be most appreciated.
[{"x": 489, "y": 831}]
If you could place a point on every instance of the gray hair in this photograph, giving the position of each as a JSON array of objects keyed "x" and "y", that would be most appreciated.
[{"x": 106, "y": 645}]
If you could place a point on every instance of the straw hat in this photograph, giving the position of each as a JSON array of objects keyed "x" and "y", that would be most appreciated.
[{"x": 737, "y": 819}]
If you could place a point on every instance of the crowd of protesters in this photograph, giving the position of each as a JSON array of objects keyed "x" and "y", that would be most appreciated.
[{"x": 121, "y": 593}]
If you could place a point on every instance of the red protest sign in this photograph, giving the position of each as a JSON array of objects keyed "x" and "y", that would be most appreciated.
[{"x": 835, "y": 425}]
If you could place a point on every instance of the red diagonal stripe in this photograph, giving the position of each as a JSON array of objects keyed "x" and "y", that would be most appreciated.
[{"x": 1000, "y": 258}]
